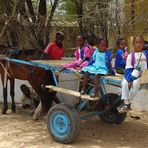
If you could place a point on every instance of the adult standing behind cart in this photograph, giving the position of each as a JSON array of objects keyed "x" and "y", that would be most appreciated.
[
  {"x": 55, "y": 50},
  {"x": 91, "y": 41}
]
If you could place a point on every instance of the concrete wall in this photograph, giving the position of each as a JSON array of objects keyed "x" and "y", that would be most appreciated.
[
  {"x": 18, "y": 93},
  {"x": 72, "y": 82}
]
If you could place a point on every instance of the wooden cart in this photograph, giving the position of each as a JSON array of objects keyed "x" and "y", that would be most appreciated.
[{"x": 63, "y": 120}]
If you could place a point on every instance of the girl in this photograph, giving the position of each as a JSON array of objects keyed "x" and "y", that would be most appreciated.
[
  {"x": 136, "y": 62},
  {"x": 83, "y": 54},
  {"x": 99, "y": 65},
  {"x": 121, "y": 56}
]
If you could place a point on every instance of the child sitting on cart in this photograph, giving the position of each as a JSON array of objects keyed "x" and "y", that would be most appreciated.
[
  {"x": 121, "y": 56},
  {"x": 83, "y": 54},
  {"x": 136, "y": 62},
  {"x": 99, "y": 65}
]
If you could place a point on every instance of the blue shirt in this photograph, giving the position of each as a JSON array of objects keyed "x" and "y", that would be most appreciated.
[{"x": 119, "y": 61}]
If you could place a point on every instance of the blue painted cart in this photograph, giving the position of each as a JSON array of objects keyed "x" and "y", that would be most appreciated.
[{"x": 63, "y": 121}]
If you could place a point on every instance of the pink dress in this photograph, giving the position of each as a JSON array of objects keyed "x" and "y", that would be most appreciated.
[{"x": 83, "y": 56}]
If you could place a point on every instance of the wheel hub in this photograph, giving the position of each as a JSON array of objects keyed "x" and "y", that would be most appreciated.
[{"x": 60, "y": 124}]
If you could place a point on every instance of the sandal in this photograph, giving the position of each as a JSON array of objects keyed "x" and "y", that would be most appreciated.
[
  {"x": 82, "y": 92},
  {"x": 93, "y": 95},
  {"x": 124, "y": 108}
]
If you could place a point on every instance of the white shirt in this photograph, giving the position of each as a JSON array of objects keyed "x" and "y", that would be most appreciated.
[{"x": 142, "y": 64}]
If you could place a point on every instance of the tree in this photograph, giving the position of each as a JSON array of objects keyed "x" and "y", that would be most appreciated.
[
  {"x": 36, "y": 24},
  {"x": 79, "y": 8}
]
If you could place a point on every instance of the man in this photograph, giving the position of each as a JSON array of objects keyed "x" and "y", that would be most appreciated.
[
  {"x": 55, "y": 50},
  {"x": 29, "y": 98}
]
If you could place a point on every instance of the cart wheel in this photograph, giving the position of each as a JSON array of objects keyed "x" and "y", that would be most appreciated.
[
  {"x": 112, "y": 115},
  {"x": 63, "y": 123}
]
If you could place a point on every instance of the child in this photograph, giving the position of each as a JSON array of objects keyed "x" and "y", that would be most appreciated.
[
  {"x": 29, "y": 98},
  {"x": 136, "y": 62},
  {"x": 100, "y": 65},
  {"x": 121, "y": 56},
  {"x": 55, "y": 50},
  {"x": 83, "y": 54}
]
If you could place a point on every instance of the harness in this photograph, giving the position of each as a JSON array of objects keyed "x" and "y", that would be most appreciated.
[{"x": 133, "y": 59}]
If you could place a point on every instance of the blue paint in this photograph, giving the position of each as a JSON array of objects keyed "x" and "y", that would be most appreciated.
[
  {"x": 44, "y": 66},
  {"x": 60, "y": 125},
  {"x": 82, "y": 104},
  {"x": 105, "y": 80}
]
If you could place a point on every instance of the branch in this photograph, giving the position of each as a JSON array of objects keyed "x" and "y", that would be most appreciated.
[
  {"x": 52, "y": 12},
  {"x": 10, "y": 21},
  {"x": 31, "y": 10}
]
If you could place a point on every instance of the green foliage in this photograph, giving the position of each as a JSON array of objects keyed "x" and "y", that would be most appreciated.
[{"x": 68, "y": 9}]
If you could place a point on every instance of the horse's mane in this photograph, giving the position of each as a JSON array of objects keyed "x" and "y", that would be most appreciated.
[{"x": 23, "y": 54}]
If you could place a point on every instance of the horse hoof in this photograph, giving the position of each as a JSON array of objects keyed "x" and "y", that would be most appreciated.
[
  {"x": 4, "y": 110},
  {"x": 35, "y": 117},
  {"x": 13, "y": 108}
]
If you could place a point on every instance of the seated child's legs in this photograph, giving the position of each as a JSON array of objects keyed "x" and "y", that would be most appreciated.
[
  {"x": 125, "y": 90},
  {"x": 86, "y": 75},
  {"x": 128, "y": 94},
  {"x": 84, "y": 64},
  {"x": 96, "y": 83},
  {"x": 135, "y": 88},
  {"x": 72, "y": 65}
]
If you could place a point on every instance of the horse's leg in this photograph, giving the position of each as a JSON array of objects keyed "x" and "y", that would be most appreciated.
[
  {"x": 4, "y": 83},
  {"x": 56, "y": 99},
  {"x": 43, "y": 100},
  {"x": 37, "y": 112},
  {"x": 12, "y": 94}
]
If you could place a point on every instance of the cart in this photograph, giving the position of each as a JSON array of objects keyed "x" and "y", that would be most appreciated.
[{"x": 63, "y": 120}]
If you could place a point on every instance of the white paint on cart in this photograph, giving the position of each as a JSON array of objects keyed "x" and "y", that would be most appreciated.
[{"x": 68, "y": 81}]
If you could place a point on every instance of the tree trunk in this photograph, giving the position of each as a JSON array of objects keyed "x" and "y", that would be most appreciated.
[
  {"x": 54, "y": 5},
  {"x": 132, "y": 14},
  {"x": 79, "y": 7},
  {"x": 42, "y": 8},
  {"x": 22, "y": 9},
  {"x": 103, "y": 19},
  {"x": 40, "y": 28},
  {"x": 31, "y": 10}
]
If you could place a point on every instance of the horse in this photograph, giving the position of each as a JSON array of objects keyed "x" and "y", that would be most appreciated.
[
  {"x": 37, "y": 75},
  {"x": 24, "y": 54},
  {"x": 15, "y": 53}
]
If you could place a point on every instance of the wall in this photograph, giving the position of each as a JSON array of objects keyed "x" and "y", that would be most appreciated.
[{"x": 140, "y": 21}]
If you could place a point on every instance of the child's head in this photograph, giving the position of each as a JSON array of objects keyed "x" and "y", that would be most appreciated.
[
  {"x": 138, "y": 43},
  {"x": 121, "y": 43},
  {"x": 25, "y": 90},
  {"x": 102, "y": 44},
  {"x": 80, "y": 40},
  {"x": 59, "y": 37}
]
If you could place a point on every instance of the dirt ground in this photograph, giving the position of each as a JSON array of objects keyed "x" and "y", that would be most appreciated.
[{"x": 20, "y": 131}]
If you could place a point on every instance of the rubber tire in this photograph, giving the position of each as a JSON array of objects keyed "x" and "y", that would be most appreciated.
[
  {"x": 117, "y": 117},
  {"x": 74, "y": 118}
]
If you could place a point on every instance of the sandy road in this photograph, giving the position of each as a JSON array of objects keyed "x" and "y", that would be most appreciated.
[{"x": 19, "y": 131}]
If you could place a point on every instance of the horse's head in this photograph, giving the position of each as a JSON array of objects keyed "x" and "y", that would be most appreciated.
[{"x": 35, "y": 54}]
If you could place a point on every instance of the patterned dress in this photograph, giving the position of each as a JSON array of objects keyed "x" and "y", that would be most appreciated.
[
  {"x": 83, "y": 56},
  {"x": 99, "y": 65}
]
